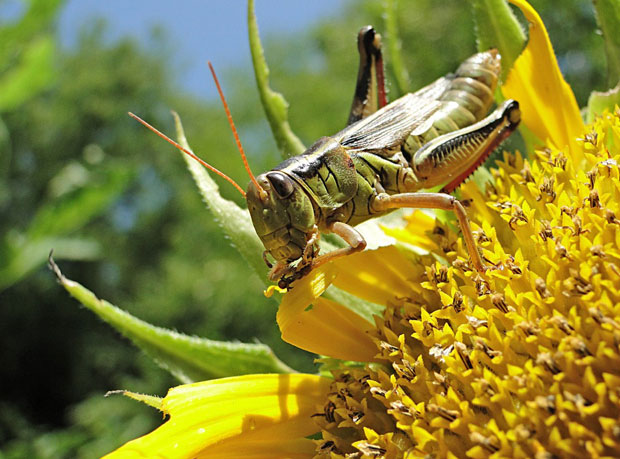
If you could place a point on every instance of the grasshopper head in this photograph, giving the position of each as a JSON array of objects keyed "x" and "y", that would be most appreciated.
[{"x": 282, "y": 214}]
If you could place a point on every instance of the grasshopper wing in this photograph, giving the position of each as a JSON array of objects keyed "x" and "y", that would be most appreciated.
[{"x": 390, "y": 126}]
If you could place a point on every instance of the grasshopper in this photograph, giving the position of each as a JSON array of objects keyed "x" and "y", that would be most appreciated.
[{"x": 378, "y": 162}]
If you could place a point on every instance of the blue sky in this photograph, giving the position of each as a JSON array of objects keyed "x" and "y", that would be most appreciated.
[{"x": 199, "y": 30}]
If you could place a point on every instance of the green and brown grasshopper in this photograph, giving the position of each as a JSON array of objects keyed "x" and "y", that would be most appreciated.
[{"x": 379, "y": 162}]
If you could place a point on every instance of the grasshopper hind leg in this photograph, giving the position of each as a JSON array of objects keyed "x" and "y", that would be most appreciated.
[
  {"x": 452, "y": 158},
  {"x": 370, "y": 92}
]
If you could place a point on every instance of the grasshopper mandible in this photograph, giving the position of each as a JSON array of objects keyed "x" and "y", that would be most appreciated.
[{"x": 379, "y": 162}]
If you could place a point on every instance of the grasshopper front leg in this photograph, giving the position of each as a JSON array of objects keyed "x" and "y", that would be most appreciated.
[{"x": 350, "y": 235}]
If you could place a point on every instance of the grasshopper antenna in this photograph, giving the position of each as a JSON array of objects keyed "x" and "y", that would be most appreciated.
[
  {"x": 187, "y": 152},
  {"x": 234, "y": 130}
]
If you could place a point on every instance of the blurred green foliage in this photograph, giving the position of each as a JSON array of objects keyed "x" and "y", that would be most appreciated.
[{"x": 125, "y": 219}]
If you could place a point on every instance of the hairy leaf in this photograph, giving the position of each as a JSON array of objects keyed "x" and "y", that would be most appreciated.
[{"x": 188, "y": 358}]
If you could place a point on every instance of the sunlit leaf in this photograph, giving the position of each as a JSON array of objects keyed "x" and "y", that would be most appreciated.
[
  {"x": 50, "y": 228},
  {"x": 75, "y": 209},
  {"x": 394, "y": 46},
  {"x": 497, "y": 27},
  {"x": 274, "y": 104},
  {"x": 34, "y": 72},
  {"x": 608, "y": 18},
  {"x": 18, "y": 260},
  {"x": 599, "y": 101},
  {"x": 14, "y": 37}
]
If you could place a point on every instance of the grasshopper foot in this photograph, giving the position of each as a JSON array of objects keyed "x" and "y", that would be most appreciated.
[{"x": 286, "y": 281}]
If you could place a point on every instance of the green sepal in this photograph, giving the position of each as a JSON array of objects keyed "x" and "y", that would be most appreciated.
[
  {"x": 188, "y": 358},
  {"x": 608, "y": 18},
  {"x": 234, "y": 220},
  {"x": 599, "y": 101},
  {"x": 497, "y": 27},
  {"x": 150, "y": 400},
  {"x": 274, "y": 104},
  {"x": 328, "y": 365}
]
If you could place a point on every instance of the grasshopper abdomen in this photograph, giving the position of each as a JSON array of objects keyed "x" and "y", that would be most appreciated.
[{"x": 466, "y": 97}]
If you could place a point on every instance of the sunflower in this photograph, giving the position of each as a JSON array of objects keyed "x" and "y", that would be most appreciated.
[{"x": 522, "y": 361}]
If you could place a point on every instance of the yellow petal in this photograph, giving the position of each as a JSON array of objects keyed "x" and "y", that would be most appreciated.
[
  {"x": 206, "y": 417},
  {"x": 327, "y": 327},
  {"x": 268, "y": 443},
  {"x": 378, "y": 276},
  {"x": 419, "y": 224},
  {"x": 548, "y": 105}
]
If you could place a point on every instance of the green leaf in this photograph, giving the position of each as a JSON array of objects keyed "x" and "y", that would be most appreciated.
[
  {"x": 274, "y": 104},
  {"x": 75, "y": 209},
  {"x": 19, "y": 260},
  {"x": 394, "y": 46},
  {"x": 188, "y": 358},
  {"x": 234, "y": 220},
  {"x": 22, "y": 254},
  {"x": 599, "y": 101},
  {"x": 33, "y": 73},
  {"x": 497, "y": 27},
  {"x": 16, "y": 36},
  {"x": 608, "y": 18}
]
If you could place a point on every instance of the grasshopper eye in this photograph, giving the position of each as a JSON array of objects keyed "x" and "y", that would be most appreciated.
[{"x": 282, "y": 184}]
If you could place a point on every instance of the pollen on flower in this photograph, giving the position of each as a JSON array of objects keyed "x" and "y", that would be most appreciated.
[{"x": 523, "y": 361}]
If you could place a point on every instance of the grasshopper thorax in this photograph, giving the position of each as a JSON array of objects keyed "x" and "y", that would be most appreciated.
[{"x": 282, "y": 214}]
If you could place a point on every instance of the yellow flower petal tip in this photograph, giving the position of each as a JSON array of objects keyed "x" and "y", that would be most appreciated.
[
  {"x": 273, "y": 289},
  {"x": 548, "y": 105},
  {"x": 322, "y": 326},
  {"x": 244, "y": 415}
]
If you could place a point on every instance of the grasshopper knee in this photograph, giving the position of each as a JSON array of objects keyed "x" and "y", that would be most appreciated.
[
  {"x": 512, "y": 113},
  {"x": 350, "y": 235}
]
